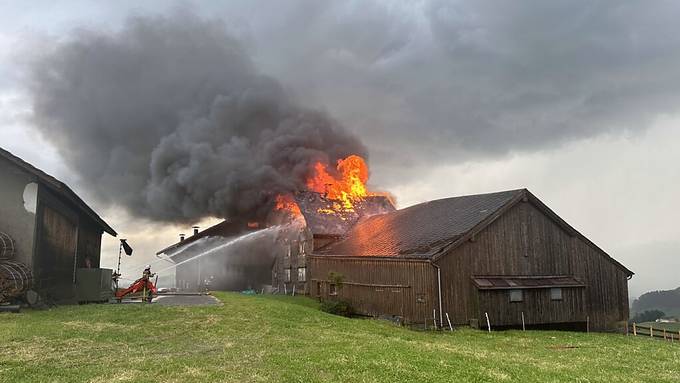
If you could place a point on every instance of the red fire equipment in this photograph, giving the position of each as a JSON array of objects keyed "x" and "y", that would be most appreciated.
[{"x": 143, "y": 285}]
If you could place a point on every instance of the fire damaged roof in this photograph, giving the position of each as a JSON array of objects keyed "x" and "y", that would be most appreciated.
[
  {"x": 420, "y": 230},
  {"x": 525, "y": 282},
  {"x": 63, "y": 190},
  {"x": 323, "y": 219}
]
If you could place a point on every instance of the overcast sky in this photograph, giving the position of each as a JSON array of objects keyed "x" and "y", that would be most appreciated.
[{"x": 578, "y": 101}]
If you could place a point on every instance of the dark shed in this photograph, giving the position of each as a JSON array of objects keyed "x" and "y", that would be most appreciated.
[
  {"x": 55, "y": 231},
  {"x": 504, "y": 254}
]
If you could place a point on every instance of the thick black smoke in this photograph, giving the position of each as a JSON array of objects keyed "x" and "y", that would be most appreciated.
[{"x": 169, "y": 118}]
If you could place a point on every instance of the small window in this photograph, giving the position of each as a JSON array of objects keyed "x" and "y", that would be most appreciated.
[
  {"x": 516, "y": 296},
  {"x": 332, "y": 289},
  {"x": 287, "y": 275},
  {"x": 301, "y": 274},
  {"x": 420, "y": 298},
  {"x": 556, "y": 294}
]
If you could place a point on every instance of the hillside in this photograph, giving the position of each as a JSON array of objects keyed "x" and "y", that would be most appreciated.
[
  {"x": 275, "y": 339},
  {"x": 667, "y": 301}
]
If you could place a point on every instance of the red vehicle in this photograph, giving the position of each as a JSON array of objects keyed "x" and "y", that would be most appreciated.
[{"x": 143, "y": 285}]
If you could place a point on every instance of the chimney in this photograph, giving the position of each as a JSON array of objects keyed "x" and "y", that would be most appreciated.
[
  {"x": 181, "y": 237},
  {"x": 195, "y": 229}
]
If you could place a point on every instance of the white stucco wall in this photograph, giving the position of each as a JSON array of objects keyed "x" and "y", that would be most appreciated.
[{"x": 18, "y": 198}]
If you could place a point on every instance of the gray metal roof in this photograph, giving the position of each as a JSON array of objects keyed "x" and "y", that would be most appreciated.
[{"x": 419, "y": 230}]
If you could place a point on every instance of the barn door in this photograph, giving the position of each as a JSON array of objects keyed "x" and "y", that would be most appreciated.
[{"x": 58, "y": 244}]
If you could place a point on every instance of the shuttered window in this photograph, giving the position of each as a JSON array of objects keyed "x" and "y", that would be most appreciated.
[
  {"x": 516, "y": 296},
  {"x": 556, "y": 294}
]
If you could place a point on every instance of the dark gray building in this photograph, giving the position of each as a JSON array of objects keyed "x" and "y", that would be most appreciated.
[
  {"x": 232, "y": 268},
  {"x": 54, "y": 232}
]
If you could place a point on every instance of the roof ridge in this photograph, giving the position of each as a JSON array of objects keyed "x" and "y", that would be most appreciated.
[{"x": 465, "y": 196}]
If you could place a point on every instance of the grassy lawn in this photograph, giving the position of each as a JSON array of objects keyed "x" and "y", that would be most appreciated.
[{"x": 273, "y": 338}]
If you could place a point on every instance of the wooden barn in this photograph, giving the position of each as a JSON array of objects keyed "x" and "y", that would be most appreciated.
[
  {"x": 505, "y": 255},
  {"x": 53, "y": 232}
]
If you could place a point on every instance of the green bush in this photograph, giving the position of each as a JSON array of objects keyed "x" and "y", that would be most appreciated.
[
  {"x": 647, "y": 316},
  {"x": 337, "y": 307}
]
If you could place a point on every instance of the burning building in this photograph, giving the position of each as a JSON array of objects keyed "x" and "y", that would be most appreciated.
[
  {"x": 335, "y": 200},
  {"x": 503, "y": 256},
  {"x": 52, "y": 239},
  {"x": 324, "y": 220}
]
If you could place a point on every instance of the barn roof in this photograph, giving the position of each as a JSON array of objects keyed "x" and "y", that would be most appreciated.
[
  {"x": 427, "y": 229},
  {"x": 419, "y": 230},
  {"x": 58, "y": 187},
  {"x": 315, "y": 207}
]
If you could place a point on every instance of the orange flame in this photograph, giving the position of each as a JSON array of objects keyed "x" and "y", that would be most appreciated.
[
  {"x": 285, "y": 202},
  {"x": 344, "y": 186},
  {"x": 348, "y": 186}
]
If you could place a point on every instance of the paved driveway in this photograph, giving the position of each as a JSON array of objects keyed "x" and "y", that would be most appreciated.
[{"x": 185, "y": 300}]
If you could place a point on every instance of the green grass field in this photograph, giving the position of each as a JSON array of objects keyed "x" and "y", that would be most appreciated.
[{"x": 284, "y": 339}]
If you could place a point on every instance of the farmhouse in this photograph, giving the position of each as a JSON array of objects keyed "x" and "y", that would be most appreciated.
[
  {"x": 505, "y": 255},
  {"x": 50, "y": 235}
]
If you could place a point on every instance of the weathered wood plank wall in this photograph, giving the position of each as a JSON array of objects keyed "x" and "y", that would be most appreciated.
[
  {"x": 537, "y": 306},
  {"x": 379, "y": 287},
  {"x": 524, "y": 241}
]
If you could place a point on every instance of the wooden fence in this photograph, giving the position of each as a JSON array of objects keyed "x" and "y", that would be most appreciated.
[{"x": 651, "y": 331}]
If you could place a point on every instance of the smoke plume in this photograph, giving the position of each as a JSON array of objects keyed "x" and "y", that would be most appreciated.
[{"x": 170, "y": 118}]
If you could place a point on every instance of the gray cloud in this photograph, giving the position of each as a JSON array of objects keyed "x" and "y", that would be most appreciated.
[
  {"x": 421, "y": 83},
  {"x": 170, "y": 118},
  {"x": 455, "y": 80}
]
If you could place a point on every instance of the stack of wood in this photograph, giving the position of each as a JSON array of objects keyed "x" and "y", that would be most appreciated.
[{"x": 15, "y": 277}]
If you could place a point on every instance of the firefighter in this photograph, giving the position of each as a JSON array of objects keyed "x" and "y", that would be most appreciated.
[
  {"x": 147, "y": 274},
  {"x": 146, "y": 277}
]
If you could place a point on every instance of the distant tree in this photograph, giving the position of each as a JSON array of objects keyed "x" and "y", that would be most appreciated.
[
  {"x": 648, "y": 316},
  {"x": 661, "y": 299}
]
